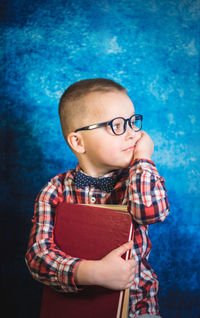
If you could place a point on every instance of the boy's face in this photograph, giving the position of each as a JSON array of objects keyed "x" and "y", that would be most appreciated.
[{"x": 105, "y": 151}]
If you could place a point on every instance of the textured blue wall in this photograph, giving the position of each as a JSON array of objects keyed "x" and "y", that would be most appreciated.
[{"x": 151, "y": 47}]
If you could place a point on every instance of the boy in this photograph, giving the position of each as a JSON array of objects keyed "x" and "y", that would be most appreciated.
[{"x": 101, "y": 128}]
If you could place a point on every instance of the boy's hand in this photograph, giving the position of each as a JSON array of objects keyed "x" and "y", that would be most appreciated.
[
  {"x": 144, "y": 147},
  {"x": 112, "y": 271}
]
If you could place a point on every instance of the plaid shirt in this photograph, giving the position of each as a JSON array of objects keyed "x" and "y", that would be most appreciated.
[{"x": 140, "y": 188}]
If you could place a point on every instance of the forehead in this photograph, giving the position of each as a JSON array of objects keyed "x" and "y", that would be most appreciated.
[{"x": 103, "y": 106}]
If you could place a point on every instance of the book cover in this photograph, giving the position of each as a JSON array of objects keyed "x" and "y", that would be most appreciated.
[{"x": 89, "y": 232}]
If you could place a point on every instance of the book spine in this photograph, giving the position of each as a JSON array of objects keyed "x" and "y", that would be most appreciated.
[{"x": 123, "y": 304}]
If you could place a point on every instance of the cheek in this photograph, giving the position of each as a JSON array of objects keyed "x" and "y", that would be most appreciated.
[
  {"x": 112, "y": 144},
  {"x": 106, "y": 146},
  {"x": 111, "y": 149}
]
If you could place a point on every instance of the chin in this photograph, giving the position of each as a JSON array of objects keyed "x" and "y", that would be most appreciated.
[
  {"x": 120, "y": 165},
  {"x": 124, "y": 165}
]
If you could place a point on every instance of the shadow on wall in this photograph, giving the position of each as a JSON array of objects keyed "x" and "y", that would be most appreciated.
[{"x": 23, "y": 173}]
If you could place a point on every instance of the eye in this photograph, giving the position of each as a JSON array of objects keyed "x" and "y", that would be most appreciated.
[{"x": 117, "y": 125}]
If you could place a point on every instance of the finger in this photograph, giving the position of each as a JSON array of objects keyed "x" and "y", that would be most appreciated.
[
  {"x": 142, "y": 132},
  {"x": 131, "y": 278},
  {"x": 132, "y": 262},
  {"x": 124, "y": 248}
]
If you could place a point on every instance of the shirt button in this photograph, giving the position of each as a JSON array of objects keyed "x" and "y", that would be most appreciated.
[{"x": 93, "y": 200}]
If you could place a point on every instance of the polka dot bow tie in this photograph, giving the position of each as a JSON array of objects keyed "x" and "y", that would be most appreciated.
[{"x": 104, "y": 184}]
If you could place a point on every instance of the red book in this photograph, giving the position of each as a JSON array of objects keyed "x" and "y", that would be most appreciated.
[{"x": 89, "y": 232}]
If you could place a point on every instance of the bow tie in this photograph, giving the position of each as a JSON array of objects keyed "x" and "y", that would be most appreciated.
[{"x": 104, "y": 184}]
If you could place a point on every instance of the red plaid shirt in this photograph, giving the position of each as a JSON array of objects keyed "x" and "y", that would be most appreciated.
[{"x": 140, "y": 188}]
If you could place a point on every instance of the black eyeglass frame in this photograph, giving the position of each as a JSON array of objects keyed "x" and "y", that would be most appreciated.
[{"x": 109, "y": 123}]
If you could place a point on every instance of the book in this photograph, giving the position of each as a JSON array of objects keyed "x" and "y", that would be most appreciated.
[{"x": 89, "y": 232}]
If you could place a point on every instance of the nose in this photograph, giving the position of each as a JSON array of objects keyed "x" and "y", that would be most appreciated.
[{"x": 130, "y": 132}]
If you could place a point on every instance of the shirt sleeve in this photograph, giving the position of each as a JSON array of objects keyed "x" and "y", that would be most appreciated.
[
  {"x": 46, "y": 262},
  {"x": 147, "y": 194}
]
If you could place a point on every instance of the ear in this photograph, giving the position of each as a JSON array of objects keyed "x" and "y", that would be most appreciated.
[{"x": 76, "y": 142}]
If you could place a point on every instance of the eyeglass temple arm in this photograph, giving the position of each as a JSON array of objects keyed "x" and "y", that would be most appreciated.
[{"x": 93, "y": 126}]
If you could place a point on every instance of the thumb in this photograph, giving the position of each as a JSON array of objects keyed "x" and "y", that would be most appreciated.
[{"x": 124, "y": 248}]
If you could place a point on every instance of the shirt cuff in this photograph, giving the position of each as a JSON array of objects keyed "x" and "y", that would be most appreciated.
[
  {"x": 66, "y": 275},
  {"x": 137, "y": 161},
  {"x": 144, "y": 165}
]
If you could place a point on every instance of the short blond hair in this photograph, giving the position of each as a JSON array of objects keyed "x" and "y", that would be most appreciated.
[{"x": 72, "y": 101}]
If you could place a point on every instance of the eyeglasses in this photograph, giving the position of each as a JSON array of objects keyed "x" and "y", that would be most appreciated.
[{"x": 118, "y": 125}]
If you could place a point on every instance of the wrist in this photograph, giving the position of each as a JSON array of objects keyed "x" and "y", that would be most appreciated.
[
  {"x": 86, "y": 273},
  {"x": 138, "y": 156}
]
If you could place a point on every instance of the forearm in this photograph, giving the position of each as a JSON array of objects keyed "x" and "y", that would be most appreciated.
[
  {"x": 48, "y": 264},
  {"x": 147, "y": 195},
  {"x": 85, "y": 273}
]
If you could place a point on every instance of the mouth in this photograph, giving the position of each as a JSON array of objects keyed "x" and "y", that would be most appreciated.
[{"x": 129, "y": 148}]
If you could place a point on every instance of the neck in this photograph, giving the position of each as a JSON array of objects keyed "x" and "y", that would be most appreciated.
[{"x": 92, "y": 171}]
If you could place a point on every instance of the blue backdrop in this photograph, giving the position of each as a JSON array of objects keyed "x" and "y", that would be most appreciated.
[{"x": 151, "y": 47}]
